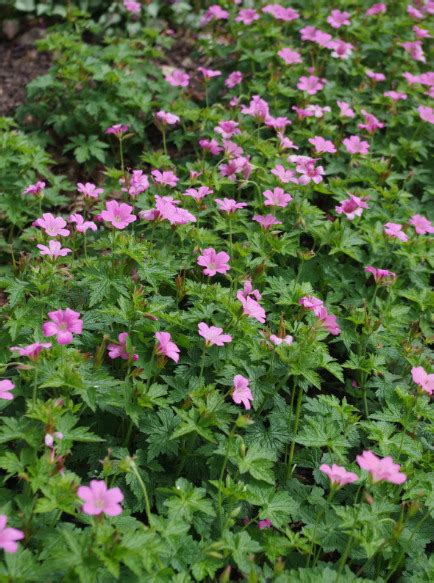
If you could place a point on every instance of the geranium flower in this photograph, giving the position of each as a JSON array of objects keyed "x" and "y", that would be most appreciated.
[
  {"x": 35, "y": 189},
  {"x": 309, "y": 172},
  {"x": 6, "y": 386},
  {"x": 234, "y": 79},
  {"x": 322, "y": 145},
  {"x": 53, "y": 226},
  {"x": 395, "y": 231},
  {"x": 375, "y": 9},
  {"x": 277, "y": 197},
  {"x": 213, "y": 262},
  {"x": 32, "y": 350},
  {"x": 241, "y": 391},
  {"x": 355, "y": 145},
  {"x": 281, "y": 13},
  {"x": 426, "y": 113},
  {"x": 166, "y": 347},
  {"x": 372, "y": 124},
  {"x": 208, "y": 73},
  {"x": 167, "y": 118},
  {"x": 227, "y": 129},
  {"x": 258, "y": 108},
  {"x": 132, "y": 6},
  {"x": 375, "y": 76},
  {"x": 178, "y": 78},
  {"x": 64, "y": 323},
  {"x": 352, "y": 207},
  {"x": 229, "y": 205},
  {"x": 340, "y": 49},
  {"x": 80, "y": 224},
  {"x": 338, "y": 475},
  {"x": 381, "y": 275},
  {"x": 265, "y": 523},
  {"x": 381, "y": 469},
  {"x": 167, "y": 178},
  {"x": 415, "y": 50},
  {"x": 290, "y": 56},
  {"x": 284, "y": 175},
  {"x": 89, "y": 190},
  {"x": 213, "y": 335},
  {"x": 240, "y": 165},
  {"x": 338, "y": 18},
  {"x": 423, "y": 379},
  {"x": 98, "y": 499},
  {"x": 211, "y": 145},
  {"x": 395, "y": 95},
  {"x": 247, "y": 16},
  {"x": 251, "y": 307},
  {"x": 54, "y": 249},
  {"x": 136, "y": 183},
  {"x": 198, "y": 193},
  {"x": 311, "y": 303},
  {"x": 277, "y": 340},
  {"x": 311, "y": 85},
  {"x": 120, "y": 350},
  {"x": 117, "y": 130},
  {"x": 345, "y": 109},
  {"x": 9, "y": 536},
  {"x": 421, "y": 225},
  {"x": 266, "y": 221},
  {"x": 118, "y": 214}
]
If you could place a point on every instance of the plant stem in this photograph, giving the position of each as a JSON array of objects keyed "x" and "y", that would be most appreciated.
[
  {"x": 35, "y": 388},
  {"x": 144, "y": 489},
  {"x": 296, "y": 423},
  {"x": 222, "y": 473},
  {"x": 163, "y": 131},
  {"x": 121, "y": 154}
]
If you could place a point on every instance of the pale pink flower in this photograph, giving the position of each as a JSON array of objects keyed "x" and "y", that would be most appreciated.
[
  {"x": 5, "y": 387},
  {"x": 167, "y": 178},
  {"x": 132, "y": 6},
  {"x": 375, "y": 76},
  {"x": 322, "y": 145},
  {"x": 136, "y": 183},
  {"x": 345, "y": 109},
  {"x": 284, "y": 175},
  {"x": 309, "y": 172},
  {"x": 372, "y": 124},
  {"x": 227, "y": 129},
  {"x": 211, "y": 145},
  {"x": 232, "y": 150},
  {"x": 165, "y": 346},
  {"x": 277, "y": 123},
  {"x": 247, "y": 16},
  {"x": 258, "y": 108},
  {"x": 99, "y": 499},
  {"x": 9, "y": 536},
  {"x": 198, "y": 193},
  {"x": 266, "y": 221},
  {"x": 414, "y": 12},
  {"x": 381, "y": 275},
  {"x": 355, "y": 145},
  {"x": 280, "y": 12},
  {"x": 338, "y": 18},
  {"x": 167, "y": 118},
  {"x": 421, "y": 225},
  {"x": 338, "y": 475},
  {"x": 421, "y": 32},
  {"x": 311, "y": 85},
  {"x": 241, "y": 391},
  {"x": 208, "y": 73},
  {"x": 249, "y": 291},
  {"x": 277, "y": 197},
  {"x": 375, "y": 9},
  {"x": 426, "y": 113},
  {"x": 286, "y": 143},
  {"x": 251, "y": 307},
  {"x": 178, "y": 78},
  {"x": 290, "y": 56},
  {"x": 80, "y": 224},
  {"x": 234, "y": 79},
  {"x": 415, "y": 50},
  {"x": 118, "y": 214},
  {"x": 352, "y": 207},
  {"x": 395, "y": 95},
  {"x": 54, "y": 249},
  {"x": 213, "y": 335},
  {"x": 64, "y": 323},
  {"x": 381, "y": 469},
  {"x": 265, "y": 523},
  {"x": 308, "y": 33},
  {"x": 89, "y": 190},
  {"x": 229, "y": 205},
  {"x": 213, "y": 262},
  {"x": 53, "y": 226},
  {"x": 31, "y": 350},
  {"x": 117, "y": 130},
  {"x": 423, "y": 379},
  {"x": 395, "y": 231},
  {"x": 35, "y": 189},
  {"x": 277, "y": 340},
  {"x": 120, "y": 350}
]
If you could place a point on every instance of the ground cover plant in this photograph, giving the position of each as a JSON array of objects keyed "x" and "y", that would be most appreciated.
[{"x": 216, "y": 249}]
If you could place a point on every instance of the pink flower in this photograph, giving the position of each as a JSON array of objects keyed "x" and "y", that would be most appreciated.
[
  {"x": 265, "y": 523},
  {"x": 376, "y": 9},
  {"x": 136, "y": 183},
  {"x": 120, "y": 350},
  {"x": 375, "y": 76},
  {"x": 322, "y": 145},
  {"x": 338, "y": 475},
  {"x": 53, "y": 226},
  {"x": 229, "y": 205},
  {"x": 214, "y": 12},
  {"x": 213, "y": 335},
  {"x": 167, "y": 178},
  {"x": 286, "y": 143},
  {"x": 340, "y": 49},
  {"x": 266, "y": 221},
  {"x": 80, "y": 224},
  {"x": 421, "y": 32},
  {"x": 89, "y": 190},
  {"x": 329, "y": 321},
  {"x": 277, "y": 197},
  {"x": 309, "y": 172},
  {"x": 211, "y": 145},
  {"x": 132, "y": 6},
  {"x": 381, "y": 469},
  {"x": 9, "y": 536},
  {"x": 240, "y": 165},
  {"x": 247, "y": 16},
  {"x": 284, "y": 175},
  {"x": 381, "y": 275},
  {"x": 290, "y": 56},
  {"x": 278, "y": 123},
  {"x": 423, "y": 379},
  {"x": 208, "y": 73},
  {"x": 117, "y": 130},
  {"x": 167, "y": 118},
  {"x": 5, "y": 387},
  {"x": 426, "y": 113},
  {"x": 166, "y": 208},
  {"x": 421, "y": 225},
  {"x": 234, "y": 79},
  {"x": 311, "y": 84},
  {"x": 277, "y": 340},
  {"x": 99, "y": 499},
  {"x": 198, "y": 193},
  {"x": 395, "y": 95},
  {"x": 241, "y": 392},
  {"x": 395, "y": 231},
  {"x": 64, "y": 323},
  {"x": 415, "y": 50},
  {"x": 281, "y": 13},
  {"x": 372, "y": 124},
  {"x": 118, "y": 214},
  {"x": 338, "y": 19},
  {"x": 355, "y": 145},
  {"x": 213, "y": 262},
  {"x": 54, "y": 249},
  {"x": 345, "y": 109},
  {"x": 227, "y": 129},
  {"x": 258, "y": 108},
  {"x": 414, "y": 12},
  {"x": 166, "y": 347},
  {"x": 178, "y": 78},
  {"x": 251, "y": 307},
  {"x": 311, "y": 303},
  {"x": 35, "y": 189},
  {"x": 32, "y": 350},
  {"x": 352, "y": 207}
]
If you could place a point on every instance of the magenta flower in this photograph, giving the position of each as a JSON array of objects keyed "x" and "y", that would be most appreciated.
[
  {"x": 53, "y": 226},
  {"x": 89, "y": 190},
  {"x": 165, "y": 346},
  {"x": 213, "y": 335},
  {"x": 372, "y": 124},
  {"x": 395, "y": 95},
  {"x": 167, "y": 178},
  {"x": 247, "y": 16},
  {"x": 290, "y": 56},
  {"x": 286, "y": 143},
  {"x": 338, "y": 475},
  {"x": 258, "y": 108},
  {"x": 167, "y": 118},
  {"x": 277, "y": 197},
  {"x": 64, "y": 323},
  {"x": 426, "y": 113},
  {"x": 166, "y": 208},
  {"x": 118, "y": 214},
  {"x": 281, "y": 13},
  {"x": 421, "y": 32},
  {"x": 375, "y": 76},
  {"x": 415, "y": 50},
  {"x": 309, "y": 172},
  {"x": 338, "y": 19},
  {"x": 321, "y": 145},
  {"x": 329, "y": 321},
  {"x": 227, "y": 129},
  {"x": 423, "y": 379},
  {"x": 278, "y": 123},
  {"x": 311, "y": 85},
  {"x": 99, "y": 499},
  {"x": 241, "y": 391},
  {"x": 32, "y": 350},
  {"x": 35, "y": 189},
  {"x": 277, "y": 340},
  {"x": 265, "y": 523},
  {"x": 214, "y": 12},
  {"x": 355, "y": 145},
  {"x": 80, "y": 224},
  {"x": 208, "y": 73},
  {"x": 340, "y": 49},
  {"x": 381, "y": 469},
  {"x": 136, "y": 183},
  {"x": 6, "y": 386},
  {"x": 9, "y": 536},
  {"x": 311, "y": 303},
  {"x": 229, "y": 205},
  {"x": 120, "y": 350},
  {"x": 251, "y": 307},
  {"x": 213, "y": 262},
  {"x": 395, "y": 231},
  {"x": 132, "y": 6},
  {"x": 211, "y": 145},
  {"x": 284, "y": 175},
  {"x": 198, "y": 193},
  {"x": 117, "y": 130},
  {"x": 266, "y": 221},
  {"x": 375, "y": 9},
  {"x": 381, "y": 275},
  {"x": 345, "y": 109},
  {"x": 352, "y": 207},
  {"x": 54, "y": 249},
  {"x": 178, "y": 78},
  {"x": 240, "y": 165},
  {"x": 421, "y": 225},
  {"x": 234, "y": 79}
]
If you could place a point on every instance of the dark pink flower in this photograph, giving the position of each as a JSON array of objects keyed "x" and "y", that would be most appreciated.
[
  {"x": 9, "y": 536},
  {"x": 251, "y": 307},
  {"x": 120, "y": 350},
  {"x": 284, "y": 175},
  {"x": 423, "y": 379},
  {"x": 426, "y": 113},
  {"x": 117, "y": 130},
  {"x": 241, "y": 391},
  {"x": 213, "y": 335},
  {"x": 198, "y": 193},
  {"x": 167, "y": 118},
  {"x": 265, "y": 523},
  {"x": 375, "y": 9},
  {"x": 281, "y": 13},
  {"x": 258, "y": 108},
  {"x": 136, "y": 183},
  {"x": 165, "y": 346},
  {"x": 345, "y": 109},
  {"x": 247, "y": 16},
  {"x": 381, "y": 275},
  {"x": 99, "y": 499},
  {"x": 227, "y": 129},
  {"x": 372, "y": 124},
  {"x": 395, "y": 95},
  {"x": 211, "y": 145},
  {"x": 213, "y": 262},
  {"x": 377, "y": 77},
  {"x": 32, "y": 350},
  {"x": 381, "y": 469},
  {"x": 352, "y": 207},
  {"x": 35, "y": 189},
  {"x": 208, "y": 73},
  {"x": 421, "y": 225},
  {"x": 64, "y": 323}
]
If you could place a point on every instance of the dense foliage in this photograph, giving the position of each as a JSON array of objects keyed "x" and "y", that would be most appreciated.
[{"x": 215, "y": 300}]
